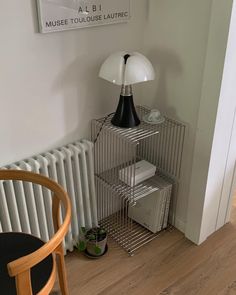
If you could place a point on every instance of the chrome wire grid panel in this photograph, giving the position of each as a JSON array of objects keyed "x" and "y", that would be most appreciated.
[{"x": 118, "y": 148}]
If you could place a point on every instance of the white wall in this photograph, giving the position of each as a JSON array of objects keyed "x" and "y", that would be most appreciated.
[
  {"x": 176, "y": 40},
  {"x": 211, "y": 172},
  {"x": 49, "y": 89}
]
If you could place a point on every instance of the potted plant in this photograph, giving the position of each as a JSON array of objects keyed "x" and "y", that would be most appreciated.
[{"x": 93, "y": 241}]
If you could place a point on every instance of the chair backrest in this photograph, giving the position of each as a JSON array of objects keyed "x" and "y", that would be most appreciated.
[{"x": 21, "y": 266}]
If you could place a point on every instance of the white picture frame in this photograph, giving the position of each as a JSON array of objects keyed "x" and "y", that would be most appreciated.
[{"x": 60, "y": 15}]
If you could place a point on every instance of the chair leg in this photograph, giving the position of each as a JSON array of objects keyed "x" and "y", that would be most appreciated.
[
  {"x": 62, "y": 271},
  {"x": 23, "y": 283}
]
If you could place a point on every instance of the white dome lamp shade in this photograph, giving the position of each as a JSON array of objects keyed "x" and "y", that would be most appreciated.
[{"x": 125, "y": 69}]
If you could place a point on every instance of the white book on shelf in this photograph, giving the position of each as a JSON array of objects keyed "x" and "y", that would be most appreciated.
[
  {"x": 152, "y": 210},
  {"x": 167, "y": 189},
  {"x": 167, "y": 208},
  {"x": 144, "y": 214},
  {"x": 162, "y": 211},
  {"x": 136, "y": 173}
]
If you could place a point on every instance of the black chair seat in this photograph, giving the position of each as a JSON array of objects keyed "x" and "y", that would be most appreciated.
[{"x": 13, "y": 246}]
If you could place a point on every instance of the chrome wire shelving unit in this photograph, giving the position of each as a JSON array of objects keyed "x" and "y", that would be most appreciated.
[{"x": 117, "y": 148}]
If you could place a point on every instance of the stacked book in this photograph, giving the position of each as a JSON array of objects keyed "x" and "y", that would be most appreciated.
[
  {"x": 152, "y": 210},
  {"x": 152, "y": 195}
]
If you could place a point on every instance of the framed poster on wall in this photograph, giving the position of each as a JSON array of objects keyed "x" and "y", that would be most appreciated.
[{"x": 60, "y": 15}]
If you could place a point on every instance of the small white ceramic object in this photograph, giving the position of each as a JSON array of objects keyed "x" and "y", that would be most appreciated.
[{"x": 154, "y": 117}]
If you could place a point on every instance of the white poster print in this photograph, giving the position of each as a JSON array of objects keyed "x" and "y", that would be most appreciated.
[{"x": 59, "y": 15}]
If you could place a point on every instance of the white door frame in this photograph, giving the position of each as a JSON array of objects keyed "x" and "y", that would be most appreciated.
[
  {"x": 208, "y": 207},
  {"x": 229, "y": 186},
  {"x": 231, "y": 196}
]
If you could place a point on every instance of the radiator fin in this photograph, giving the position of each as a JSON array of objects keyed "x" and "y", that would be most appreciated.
[{"x": 27, "y": 208}]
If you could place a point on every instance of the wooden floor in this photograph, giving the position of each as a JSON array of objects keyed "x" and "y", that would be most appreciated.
[{"x": 169, "y": 265}]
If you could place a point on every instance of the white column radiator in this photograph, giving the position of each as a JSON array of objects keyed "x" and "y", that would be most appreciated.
[{"x": 27, "y": 208}]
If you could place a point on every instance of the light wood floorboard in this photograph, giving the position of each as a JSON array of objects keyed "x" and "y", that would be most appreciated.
[{"x": 170, "y": 265}]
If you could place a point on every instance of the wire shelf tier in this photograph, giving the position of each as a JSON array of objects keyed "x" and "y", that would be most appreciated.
[
  {"x": 119, "y": 149},
  {"x": 130, "y": 238},
  {"x": 142, "y": 131},
  {"x": 138, "y": 191}
]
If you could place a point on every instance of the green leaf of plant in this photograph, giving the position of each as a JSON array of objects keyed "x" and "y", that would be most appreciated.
[
  {"x": 82, "y": 230},
  {"x": 91, "y": 237},
  {"x": 97, "y": 250},
  {"x": 81, "y": 246}
]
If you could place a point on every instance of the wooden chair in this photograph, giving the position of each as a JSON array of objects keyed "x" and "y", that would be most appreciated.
[{"x": 30, "y": 267}]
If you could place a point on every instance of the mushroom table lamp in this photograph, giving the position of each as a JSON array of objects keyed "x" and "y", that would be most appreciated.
[{"x": 125, "y": 69}]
